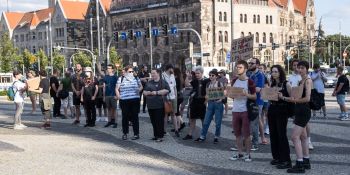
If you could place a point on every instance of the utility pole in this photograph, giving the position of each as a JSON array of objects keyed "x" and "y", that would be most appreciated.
[
  {"x": 340, "y": 50},
  {"x": 50, "y": 29},
  {"x": 98, "y": 29},
  {"x": 333, "y": 53},
  {"x": 150, "y": 42},
  {"x": 91, "y": 35}
]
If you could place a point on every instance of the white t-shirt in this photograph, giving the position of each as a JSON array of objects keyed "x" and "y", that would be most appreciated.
[
  {"x": 17, "y": 86},
  {"x": 170, "y": 79},
  {"x": 240, "y": 104},
  {"x": 294, "y": 79}
]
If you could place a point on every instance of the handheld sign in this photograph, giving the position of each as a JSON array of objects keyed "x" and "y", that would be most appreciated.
[
  {"x": 269, "y": 94},
  {"x": 215, "y": 93},
  {"x": 234, "y": 92},
  {"x": 33, "y": 84}
]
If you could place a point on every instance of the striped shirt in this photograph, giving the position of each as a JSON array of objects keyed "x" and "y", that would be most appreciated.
[{"x": 129, "y": 88}]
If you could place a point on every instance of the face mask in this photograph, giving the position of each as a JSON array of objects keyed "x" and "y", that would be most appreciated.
[{"x": 129, "y": 75}]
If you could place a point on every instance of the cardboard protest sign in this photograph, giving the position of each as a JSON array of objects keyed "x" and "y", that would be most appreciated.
[
  {"x": 33, "y": 84},
  {"x": 215, "y": 93},
  {"x": 269, "y": 94},
  {"x": 234, "y": 92},
  {"x": 297, "y": 92}
]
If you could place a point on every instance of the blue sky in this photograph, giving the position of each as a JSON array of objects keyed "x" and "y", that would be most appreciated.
[{"x": 332, "y": 11}]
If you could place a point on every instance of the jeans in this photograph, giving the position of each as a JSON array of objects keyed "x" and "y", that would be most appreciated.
[
  {"x": 19, "y": 110},
  {"x": 254, "y": 127},
  {"x": 130, "y": 112},
  {"x": 217, "y": 109}
]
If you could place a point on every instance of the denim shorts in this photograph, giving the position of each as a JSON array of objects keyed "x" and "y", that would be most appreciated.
[{"x": 341, "y": 99}]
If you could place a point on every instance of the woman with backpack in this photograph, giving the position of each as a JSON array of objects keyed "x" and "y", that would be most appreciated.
[{"x": 18, "y": 88}]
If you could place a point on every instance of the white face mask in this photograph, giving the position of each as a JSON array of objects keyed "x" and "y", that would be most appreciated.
[{"x": 129, "y": 75}]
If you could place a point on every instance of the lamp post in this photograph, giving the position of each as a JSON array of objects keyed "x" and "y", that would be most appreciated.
[{"x": 199, "y": 37}]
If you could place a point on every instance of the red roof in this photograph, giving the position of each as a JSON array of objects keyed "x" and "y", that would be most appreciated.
[
  {"x": 106, "y": 4},
  {"x": 283, "y": 3},
  {"x": 35, "y": 17},
  {"x": 74, "y": 10},
  {"x": 13, "y": 18},
  {"x": 300, "y": 5}
]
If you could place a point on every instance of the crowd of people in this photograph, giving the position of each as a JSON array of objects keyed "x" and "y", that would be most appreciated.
[{"x": 166, "y": 94}]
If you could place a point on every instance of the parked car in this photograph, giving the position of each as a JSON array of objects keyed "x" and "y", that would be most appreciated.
[{"x": 331, "y": 76}]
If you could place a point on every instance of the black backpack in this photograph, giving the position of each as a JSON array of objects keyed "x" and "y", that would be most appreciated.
[{"x": 315, "y": 100}]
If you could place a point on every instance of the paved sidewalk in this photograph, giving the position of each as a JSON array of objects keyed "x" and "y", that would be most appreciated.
[{"x": 67, "y": 149}]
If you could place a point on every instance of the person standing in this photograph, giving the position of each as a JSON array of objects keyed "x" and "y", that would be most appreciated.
[
  {"x": 68, "y": 101},
  {"x": 169, "y": 77},
  {"x": 240, "y": 118},
  {"x": 180, "y": 99},
  {"x": 45, "y": 99},
  {"x": 99, "y": 101},
  {"x": 257, "y": 125},
  {"x": 317, "y": 77},
  {"x": 144, "y": 76},
  {"x": 278, "y": 119},
  {"x": 109, "y": 96},
  {"x": 154, "y": 91},
  {"x": 262, "y": 69},
  {"x": 340, "y": 91},
  {"x": 302, "y": 117},
  {"x": 32, "y": 95},
  {"x": 128, "y": 92},
  {"x": 214, "y": 107},
  {"x": 77, "y": 85},
  {"x": 197, "y": 104},
  {"x": 294, "y": 78},
  {"x": 222, "y": 78},
  {"x": 18, "y": 88},
  {"x": 88, "y": 97},
  {"x": 54, "y": 85}
]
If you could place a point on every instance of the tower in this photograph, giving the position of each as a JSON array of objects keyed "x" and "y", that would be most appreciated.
[{"x": 51, "y": 3}]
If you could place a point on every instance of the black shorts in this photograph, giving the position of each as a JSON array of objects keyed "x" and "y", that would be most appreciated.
[
  {"x": 302, "y": 115},
  {"x": 76, "y": 100},
  {"x": 322, "y": 99},
  {"x": 100, "y": 103}
]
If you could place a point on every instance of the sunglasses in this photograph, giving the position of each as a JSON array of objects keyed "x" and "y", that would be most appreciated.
[{"x": 130, "y": 71}]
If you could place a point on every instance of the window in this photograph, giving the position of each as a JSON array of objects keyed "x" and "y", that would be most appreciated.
[
  {"x": 242, "y": 34},
  {"x": 220, "y": 16},
  {"x": 241, "y": 18},
  {"x": 33, "y": 36},
  {"x": 34, "y": 49},
  {"x": 245, "y": 18},
  {"x": 254, "y": 19},
  {"x": 250, "y": 33},
  {"x": 40, "y": 36},
  {"x": 225, "y": 16},
  {"x": 267, "y": 19},
  {"x": 155, "y": 41},
  {"x": 220, "y": 36},
  {"x": 226, "y": 37},
  {"x": 145, "y": 41},
  {"x": 16, "y": 38},
  {"x": 257, "y": 54},
  {"x": 267, "y": 56},
  {"x": 258, "y": 19},
  {"x": 270, "y": 19},
  {"x": 221, "y": 58},
  {"x": 264, "y": 37},
  {"x": 186, "y": 17},
  {"x": 22, "y": 38},
  {"x": 192, "y": 16},
  {"x": 257, "y": 37},
  {"x": 188, "y": 36},
  {"x": 271, "y": 38},
  {"x": 181, "y": 37}
]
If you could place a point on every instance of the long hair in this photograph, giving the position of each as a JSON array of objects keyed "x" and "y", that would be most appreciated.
[
  {"x": 282, "y": 77},
  {"x": 178, "y": 75}
]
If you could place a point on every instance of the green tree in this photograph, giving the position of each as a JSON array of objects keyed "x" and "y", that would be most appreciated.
[
  {"x": 27, "y": 60},
  {"x": 83, "y": 59},
  {"x": 58, "y": 60},
  {"x": 44, "y": 60},
  {"x": 8, "y": 53},
  {"x": 115, "y": 58}
]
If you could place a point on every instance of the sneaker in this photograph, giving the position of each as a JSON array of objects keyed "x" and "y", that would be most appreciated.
[
  {"x": 86, "y": 125},
  {"x": 17, "y": 127},
  {"x": 177, "y": 134},
  {"x": 136, "y": 137},
  {"x": 125, "y": 137},
  {"x": 108, "y": 124},
  {"x": 188, "y": 137},
  {"x": 199, "y": 140},
  {"x": 98, "y": 119},
  {"x": 115, "y": 125},
  {"x": 345, "y": 119},
  {"x": 297, "y": 168},
  {"x": 182, "y": 126},
  {"x": 247, "y": 158},
  {"x": 23, "y": 126},
  {"x": 159, "y": 140},
  {"x": 236, "y": 157},
  {"x": 254, "y": 148},
  {"x": 233, "y": 149},
  {"x": 76, "y": 122},
  {"x": 311, "y": 147},
  {"x": 216, "y": 140},
  {"x": 46, "y": 126},
  {"x": 306, "y": 163}
]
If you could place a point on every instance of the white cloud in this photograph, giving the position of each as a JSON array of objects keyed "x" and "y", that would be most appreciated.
[{"x": 23, "y": 5}]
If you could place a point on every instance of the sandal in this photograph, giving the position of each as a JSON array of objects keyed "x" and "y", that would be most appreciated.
[{"x": 265, "y": 142}]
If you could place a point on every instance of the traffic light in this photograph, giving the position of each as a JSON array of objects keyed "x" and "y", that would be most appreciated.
[
  {"x": 288, "y": 45},
  {"x": 131, "y": 34},
  {"x": 274, "y": 46},
  {"x": 116, "y": 36},
  {"x": 147, "y": 34},
  {"x": 165, "y": 29},
  {"x": 261, "y": 46}
]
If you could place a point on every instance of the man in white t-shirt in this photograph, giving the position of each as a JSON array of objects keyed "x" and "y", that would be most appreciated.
[
  {"x": 19, "y": 88},
  {"x": 169, "y": 77}
]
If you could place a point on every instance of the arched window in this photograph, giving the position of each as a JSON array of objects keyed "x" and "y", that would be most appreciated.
[
  {"x": 257, "y": 37},
  {"x": 258, "y": 19},
  {"x": 220, "y": 36},
  {"x": 257, "y": 54},
  {"x": 241, "y": 18},
  {"x": 221, "y": 58},
  {"x": 242, "y": 34},
  {"x": 226, "y": 37},
  {"x": 267, "y": 56},
  {"x": 264, "y": 37},
  {"x": 254, "y": 19},
  {"x": 270, "y": 19},
  {"x": 250, "y": 33},
  {"x": 267, "y": 19},
  {"x": 225, "y": 16},
  {"x": 220, "y": 16},
  {"x": 245, "y": 18},
  {"x": 271, "y": 38}
]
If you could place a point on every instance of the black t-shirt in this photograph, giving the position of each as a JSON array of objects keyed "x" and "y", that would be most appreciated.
[
  {"x": 77, "y": 81},
  {"x": 143, "y": 75},
  {"x": 45, "y": 85},
  {"x": 89, "y": 91},
  {"x": 53, "y": 80},
  {"x": 100, "y": 88},
  {"x": 345, "y": 88},
  {"x": 156, "y": 101}
]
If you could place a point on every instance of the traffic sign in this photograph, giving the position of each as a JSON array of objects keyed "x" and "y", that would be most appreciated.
[
  {"x": 228, "y": 57},
  {"x": 174, "y": 30},
  {"x": 123, "y": 36},
  {"x": 138, "y": 34},
  {"x": 155, "y": 32}
]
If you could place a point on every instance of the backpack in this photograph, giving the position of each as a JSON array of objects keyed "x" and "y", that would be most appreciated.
[
  {"x": 315, "y": 100},
  {"x": 11, "y": 93}
]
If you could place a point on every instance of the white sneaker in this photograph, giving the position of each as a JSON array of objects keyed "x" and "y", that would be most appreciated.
[
  {"x": 247, "y": 158},
  {"x": 98, "y": 119},
  {"x": 23, "y": 126},
  {"x": 235, "y": 157},
  {"x": 104, "y": 119},
  {"x": 233, "y": 149},
  {"x": 311, "y": 147},
  {"x": 345, "y": 119},
  {"x": 18, "y": 127}
]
